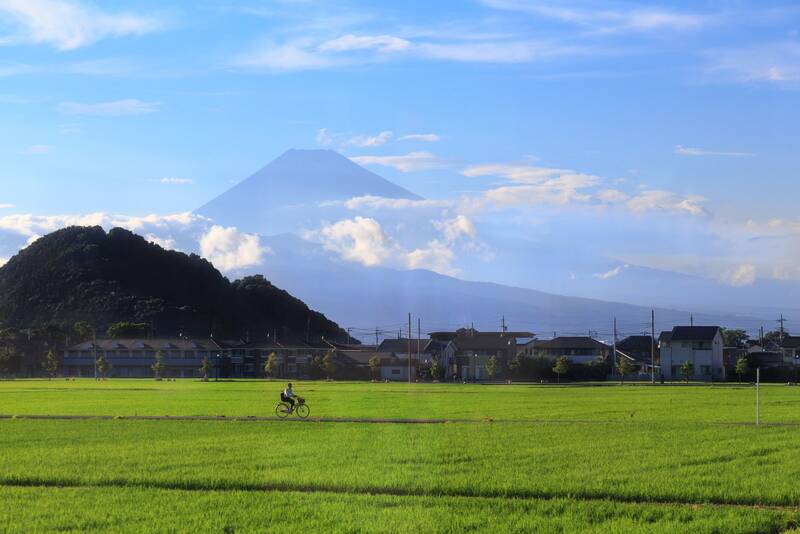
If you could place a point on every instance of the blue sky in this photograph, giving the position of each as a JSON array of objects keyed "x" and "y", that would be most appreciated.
[{"x": 673, "y": 123}]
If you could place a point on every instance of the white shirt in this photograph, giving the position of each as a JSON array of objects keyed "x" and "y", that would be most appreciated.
[{"x": 288, "y": 392}]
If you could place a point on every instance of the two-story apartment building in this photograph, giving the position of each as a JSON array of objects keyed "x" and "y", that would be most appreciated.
[
  {"x": 700, "y": 345},
  {"x": 134, "y": 358}
]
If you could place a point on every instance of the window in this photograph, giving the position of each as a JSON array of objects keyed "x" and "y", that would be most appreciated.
[
  {"x": 395, "y": 371},
  {"x": 705, "y": 369}
]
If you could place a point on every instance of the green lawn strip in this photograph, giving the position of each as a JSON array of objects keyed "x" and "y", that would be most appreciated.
[
  {"x": 722, "y": 403},
  {"x": 638, "y": 462},
  {"x": 27, "y": 510}
]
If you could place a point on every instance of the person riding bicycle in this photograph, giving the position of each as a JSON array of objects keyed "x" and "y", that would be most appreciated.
[{"x": 287, "y": 396}]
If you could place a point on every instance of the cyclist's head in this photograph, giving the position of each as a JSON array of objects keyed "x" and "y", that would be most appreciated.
[{"x": 289, "y": 384}]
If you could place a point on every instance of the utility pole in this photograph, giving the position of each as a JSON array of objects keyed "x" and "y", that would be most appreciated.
[
  {"x": 376, "y": 338},
  {"x": 505, "y": 329},
  {"x": 781, "y": 321},
  {"x": 409, "y": 348},
  {"x": 419, "y": 336},
  {"x": 652, "y": 346},
  {"x": 761, "y": 338},
  {"x": 614, "y": 354},
  {"x": 691, "y": 320}
]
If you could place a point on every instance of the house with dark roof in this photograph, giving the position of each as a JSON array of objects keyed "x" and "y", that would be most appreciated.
[
  {"x": 641, "y": 351},
  {"x": 577, "y": 349},
  {"x": 700, "y": 345},
  {"x": 790, "y": 348},
  {"x": 467, "y": 351}
]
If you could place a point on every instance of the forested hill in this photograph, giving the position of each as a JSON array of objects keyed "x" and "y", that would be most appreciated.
[{"x": 86, "y": 274}]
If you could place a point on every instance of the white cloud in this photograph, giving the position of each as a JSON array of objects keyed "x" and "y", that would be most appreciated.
[
  {"x": 363, "y": 240},
  {"x": 453, "y": 229},
  {"x": 528, "y": 174},
  {"x": 177, "y": 181},
  {"x": 414, "y": 161},
  {"x": 230, "y": 250},
  {"x": 435, "y": 256},
  {"x": 666, "y": 201},
  {"x": 743, "y": 275},
  {"x": 323, "y": 139},
  {"x": 380, "y": 43},
  {"x": 428, "y": 138},
  {"x": 603, "y": 20},
  {"x": 360, "y": 240},
  {"x": 167, "y": 243},
  {"x": 69, "y": 25},
  {"x": 612, "y": 196},
  {"x": 371, "y": 141},
  {"x": 3, "y": 261},
  {"x": 371, "y": 202},
  {"x": 6, "y": 206},
  {"x": 610, "y": 274},
  {"x": 116, "y": 108},
  {"x": 689, "y": 151}
]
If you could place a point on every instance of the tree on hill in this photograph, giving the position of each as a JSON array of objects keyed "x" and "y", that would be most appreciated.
[
  {"x": 86, "y": 274},
  {"x": 205, "y": 368},
  {"x": 624, "y": 366},
  {"x": 103, "y": 367},
  {"x": 126, "y": 329},
  {"x": 561, "y": 367},
  {"x": 271, "y": 365},
  {"x": 160, "y": 366},
  {"x": 374, "y": 367},
  {"x": 51, "y": 364},
  {"x": 83, "y": 331},
  {"x": 742, "y": 367},
  {"x": 491, "y": 367},
  {"x": 687, "y": 370},
  {"x": 734, "y": 337},
  {"x": 328, "y": 364}
]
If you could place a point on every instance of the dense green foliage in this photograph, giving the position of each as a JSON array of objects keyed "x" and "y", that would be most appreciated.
[{"x": 86, "y": 274}]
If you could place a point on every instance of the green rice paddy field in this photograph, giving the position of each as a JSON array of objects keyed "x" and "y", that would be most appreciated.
[{"x": 511, "y": 458}]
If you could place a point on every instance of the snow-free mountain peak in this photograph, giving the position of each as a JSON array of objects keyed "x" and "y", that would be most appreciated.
[{"x": 292, "y": 189}]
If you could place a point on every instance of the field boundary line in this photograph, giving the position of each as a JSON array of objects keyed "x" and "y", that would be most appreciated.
[
  {"x": 369, "y": 420},
  {"x": 384, "y": 491}
]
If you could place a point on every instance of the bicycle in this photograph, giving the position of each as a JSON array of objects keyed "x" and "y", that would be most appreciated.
[{"x": 301, "y": 409}]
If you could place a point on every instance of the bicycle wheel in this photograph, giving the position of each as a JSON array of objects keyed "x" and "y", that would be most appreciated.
[
  {"x": 282, "y": 410},
  {"x": 302, "y": 411}
]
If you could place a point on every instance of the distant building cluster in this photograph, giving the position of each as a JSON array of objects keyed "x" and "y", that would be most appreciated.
[{"x": 686, "y": 352}]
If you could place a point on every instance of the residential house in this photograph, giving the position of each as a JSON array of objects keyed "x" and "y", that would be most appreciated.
[
  {"x": 467, "y": 351},
  {"x": 641, "y": 351},
  {"x": 395, "y": 364},
  {"x": 700, "y": 345},
  {"x": 578, "y": 349}
]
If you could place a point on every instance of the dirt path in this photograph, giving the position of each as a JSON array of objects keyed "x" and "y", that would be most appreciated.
[{"x": 366, "y": 420}]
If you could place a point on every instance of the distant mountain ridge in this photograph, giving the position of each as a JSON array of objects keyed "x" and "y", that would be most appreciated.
[
  {"x": 86, "y": 274},
  {"x": 291, "y": 189}
]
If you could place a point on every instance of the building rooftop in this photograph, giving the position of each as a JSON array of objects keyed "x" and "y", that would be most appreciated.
[
  {"x": 694, "y": 333},
  {"x": 570, "y": 342}
]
